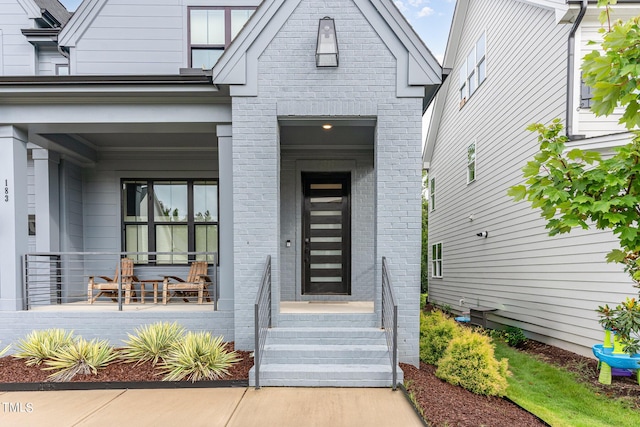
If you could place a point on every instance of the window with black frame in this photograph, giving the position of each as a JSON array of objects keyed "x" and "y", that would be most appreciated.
[
  {"x": 171, "y": 217},
  {"x": 211, "y": 31}
]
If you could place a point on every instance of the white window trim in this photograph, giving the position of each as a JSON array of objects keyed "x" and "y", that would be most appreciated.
[
  {"x": 432, "y": 194},
  {"x": 435, "y": 261},
  {"x": 475, "y": 162},
  {"x": 464, "y": 75}
]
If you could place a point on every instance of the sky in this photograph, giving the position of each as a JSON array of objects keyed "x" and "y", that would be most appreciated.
[{"x": 430, "y": 18}]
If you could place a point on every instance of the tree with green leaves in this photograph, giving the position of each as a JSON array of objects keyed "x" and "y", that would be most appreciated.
[
  {"x": 578, "y": 188},
  {"x": 424, "y": 258}
]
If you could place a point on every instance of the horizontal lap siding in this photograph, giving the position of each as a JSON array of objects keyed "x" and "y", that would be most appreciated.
[
  {"x": 547, "y": 286},
  {"x": 134, "y": 37},
  {"x": 17, "y": 53},
  {"x": 47, "y": 59}
]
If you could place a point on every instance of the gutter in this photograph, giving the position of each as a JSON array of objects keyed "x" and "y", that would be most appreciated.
[{"x": 571, "y": 71}]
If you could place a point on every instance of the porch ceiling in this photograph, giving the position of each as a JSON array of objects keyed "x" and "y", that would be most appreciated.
[{"x": 308, "y": 134}]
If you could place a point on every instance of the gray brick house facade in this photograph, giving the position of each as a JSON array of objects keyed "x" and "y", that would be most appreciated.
[{"x": 253, "y": 125}]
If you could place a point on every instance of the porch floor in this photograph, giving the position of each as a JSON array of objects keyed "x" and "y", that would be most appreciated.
[{"x": 355, "y": 307}]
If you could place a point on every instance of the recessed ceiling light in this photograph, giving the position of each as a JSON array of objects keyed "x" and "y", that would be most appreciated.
[{"x": 327, "y": 126}]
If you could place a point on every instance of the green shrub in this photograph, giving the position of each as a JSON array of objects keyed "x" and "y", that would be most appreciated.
[
  {"x": 152, "y": 342},
  {"x": 198, "y": 356},
  {"x": 514, "y": 336},
  {"x": 81, "y": 357},
  {"x": 4, "y": 350},
  {"x": 41, "y": 345},
  {"x": 469, "y": 362},
  {"x": 436, "y": 330},
  {"x": 423, "y": 300}
]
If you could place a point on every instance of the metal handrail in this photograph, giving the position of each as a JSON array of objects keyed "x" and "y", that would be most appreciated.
[
  {"x": 390, "y": 320},
  {"x": 56, "y": 277},
  {"x": 262, "y": 312}
]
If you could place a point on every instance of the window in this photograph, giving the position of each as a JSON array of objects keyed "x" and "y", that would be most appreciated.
[
  {"x": 211, "y": 31},
  {"x": 436, "y": 260},
  {"x": 62, "y": 70},
  {"x": 474, "y": 70},
  {"x": 432, "y": 194},
  {"x": 471, "y": 162},
  {"x": 586, "y": 93},
  {"x": 174, "y": 216}
]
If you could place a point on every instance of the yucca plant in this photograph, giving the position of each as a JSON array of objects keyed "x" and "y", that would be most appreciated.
[
  {"x": 81, "y": 357},
  {"x": 152, "y": 342},
  {"x": 4, "y": 350},
  {"x": 41, "y": 345},
  {"x": 198, "y": 356}
]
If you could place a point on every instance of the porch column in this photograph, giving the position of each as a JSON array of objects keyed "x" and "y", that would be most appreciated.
[
  {"x": 256, "y": 207},
  {"x": 398, "y": 216},
  {"x": 47, "y": 190},
  {"x": 13, "y": 215},
  {"x": 225, "y": 222}
]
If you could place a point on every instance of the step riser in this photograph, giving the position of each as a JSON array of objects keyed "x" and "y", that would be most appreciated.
[
  {"x": 327, "y": 321},
  {"x": 314, "y": 359},
  {"x": 325, "y": 379}
]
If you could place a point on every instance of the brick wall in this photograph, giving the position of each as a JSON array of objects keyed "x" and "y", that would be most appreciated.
[{"x": 364, "y": 85}]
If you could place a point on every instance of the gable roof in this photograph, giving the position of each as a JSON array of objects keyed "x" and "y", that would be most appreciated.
[
  {"x": 417, "y": 67},
  {"x": 79, "y": 22},
  {"x": 56, "y": 9}
]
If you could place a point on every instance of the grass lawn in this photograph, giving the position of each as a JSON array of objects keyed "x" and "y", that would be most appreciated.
[{"x": 555, "y": 396}]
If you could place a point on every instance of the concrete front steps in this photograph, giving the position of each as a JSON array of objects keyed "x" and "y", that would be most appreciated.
[{"x": 325, "y": 356}]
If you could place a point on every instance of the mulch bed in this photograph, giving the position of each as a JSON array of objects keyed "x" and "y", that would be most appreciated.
[{"x": 14, "y": 370}]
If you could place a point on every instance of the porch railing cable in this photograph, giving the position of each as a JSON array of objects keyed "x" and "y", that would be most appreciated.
[
  {"x": 390, "y": 320},
  {"x": 56, "y": 278},
  {"x": 262, "y": 317}
]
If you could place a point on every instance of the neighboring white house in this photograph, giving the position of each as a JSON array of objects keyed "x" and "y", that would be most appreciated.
[
  {"x": 166, "y": 136},
  {"x": 516, "y": 62}
]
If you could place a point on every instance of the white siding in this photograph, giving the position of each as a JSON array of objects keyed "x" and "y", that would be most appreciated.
[
  {"x": 48, "y": 58},
  {"x": 588, "y": 124},
  {"x": 16, "y": 52},
  {"x": 548, "y": 286},
  {"x": 133, "y": 37}
]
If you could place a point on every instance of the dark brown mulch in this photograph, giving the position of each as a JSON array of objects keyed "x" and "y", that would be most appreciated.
[
  {"x": 448, "y": 405},
  {"x": 14, "y": 370}
]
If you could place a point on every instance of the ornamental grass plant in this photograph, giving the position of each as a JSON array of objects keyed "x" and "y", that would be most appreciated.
[
  {"x": 4, "y": 350},
  {"x": 42, "y": 345},
  {"x": 81, "y": 357},
  {"x": 152, "y": 342},
  {"x": 198, "y": 356}
]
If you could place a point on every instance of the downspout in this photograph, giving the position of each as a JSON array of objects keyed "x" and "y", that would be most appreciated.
[{"x": 571, "y": 70}]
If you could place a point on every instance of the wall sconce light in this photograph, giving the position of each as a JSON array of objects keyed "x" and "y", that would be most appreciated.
[
  {"x": 327, "y": 47},
  {"x": 484, "y": 234}
]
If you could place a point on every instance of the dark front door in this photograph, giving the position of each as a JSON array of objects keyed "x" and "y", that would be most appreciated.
[{"x": 326, "y": 234}]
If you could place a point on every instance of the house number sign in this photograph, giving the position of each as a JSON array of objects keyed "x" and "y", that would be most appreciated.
[{"x": 6, "y": 190}]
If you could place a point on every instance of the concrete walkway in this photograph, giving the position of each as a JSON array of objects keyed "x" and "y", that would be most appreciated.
[{"x": 233, "y": 407}]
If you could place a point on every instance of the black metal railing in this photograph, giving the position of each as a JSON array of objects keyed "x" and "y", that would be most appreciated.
[
  {"x": 58, "y": 278},
  {"x": 390, "y": 320},
  {"x": 262, "y": 317}
]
